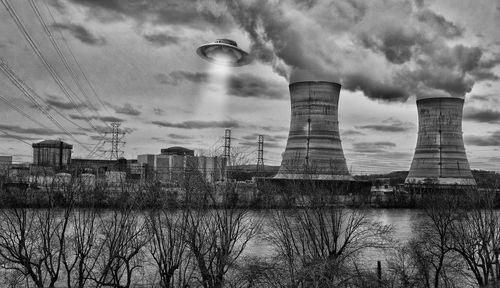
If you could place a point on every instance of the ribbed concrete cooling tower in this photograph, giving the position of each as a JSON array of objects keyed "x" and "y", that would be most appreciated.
[
  {"x": 313, "y": 150},
  {"x": 440, "y": 154}
]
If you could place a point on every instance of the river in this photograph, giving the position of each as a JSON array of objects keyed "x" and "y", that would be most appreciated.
[{"x": 401, "y": 220}]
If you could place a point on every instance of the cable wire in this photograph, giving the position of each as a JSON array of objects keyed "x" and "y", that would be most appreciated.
[
  {"x": 66, "y": 90},
  {"x": 80, "y": 68}
]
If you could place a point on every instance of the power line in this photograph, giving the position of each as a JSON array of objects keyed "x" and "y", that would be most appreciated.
[
  {"x": 96, "y": 148},
  {"x": 15, "y": 137},
  {"x": 23, "y": 88},
  {"x": 18, "y": 109},
  {"x": 61, "y": 55},
  {"x": 66, "y": 90},
  {"x": 80, "y": 68}
]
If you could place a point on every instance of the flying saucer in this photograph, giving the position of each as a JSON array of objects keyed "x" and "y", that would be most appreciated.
[{"x": 223, "y": 52}]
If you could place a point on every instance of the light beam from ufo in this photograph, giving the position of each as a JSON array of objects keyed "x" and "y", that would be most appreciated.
[{"x": 223, "y": 54}]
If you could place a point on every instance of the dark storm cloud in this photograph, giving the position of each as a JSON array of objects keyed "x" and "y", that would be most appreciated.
[
  {"x": 109, "y": 119},
  {"x": 273, "y": 129},
  {"x": 482, "y": 115},
  {"x": 197, "y": 14},
  {"x": 420, "y": 62},
  {"x": 419, "y": 58},
  {"x": 163, "y": 78},
  {"x": 102, "y": 118},
  {"x": 384, "y": 128},
  {"x": 483, "y": 72},
  {"x": 25, "y": 138},
  {"x": 196, "y": 77},
  {"x": 350, "y": 133},
  {"x": 159, "y": 139},
  {"x": 127, "y": 109},
  {"x": 272, "y": 33},
  {"x": 267, "y": 138},
  {"x": 483, "y": 97},
  {"x": 97, "y": 137},
  {"x": 389, "y": 125},
  {"x": 248, "y": 85},
  {"x": 161, "y": 39},
  {"x": 439, "y": 24},
  {"x": 175, "y": 77},
  {"x": 178, "y": 136},
  {"x": 375, "y": 89},
  {"x": 108, "y": 129},
  {"x": 81, "y": 33},
  {"x": 490, "y": 140},
  {"x": 58, "y": 4},
  {"x": 372, "y": 147},
  {"x": 21, "y": 130},
  {"x": 57, "y": 103},
  {"x": 199, "y": 124},
  {"x": 484, "y": 75},
  {"x": 158, "y": 111},
  {"x": 395, "y": 44},
  {"x": 266, "y": 144}
]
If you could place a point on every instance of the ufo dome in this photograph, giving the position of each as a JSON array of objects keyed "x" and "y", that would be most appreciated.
[{"x": 223, "y": 52}]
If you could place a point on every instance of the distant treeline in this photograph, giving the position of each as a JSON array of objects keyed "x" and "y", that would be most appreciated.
[{"x": 484, "y": 179}]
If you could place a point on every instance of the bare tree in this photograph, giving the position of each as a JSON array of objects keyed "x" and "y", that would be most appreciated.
[
  {"x": 216, "y": 239},
  {"x": 80, "y": 257},
  {"x": 32, "y": 241},
  {"x": 432, "y": 248},
  {"x": 477, "y": 236},
  {"x": 168, "y": 245},
  {"x": 319, "y": 236},
  {"x": 122, "y": 236}
]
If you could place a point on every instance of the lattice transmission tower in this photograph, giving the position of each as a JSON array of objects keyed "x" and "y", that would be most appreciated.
[
  {"x": 227, "y": 146},
  {"x": 116, "y": 141},
  {"x": 260, "y": 154}
]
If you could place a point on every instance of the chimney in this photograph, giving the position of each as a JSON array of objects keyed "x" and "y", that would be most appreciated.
[
  {"x": 440, "y": 153},
  {"x": 313, "y": 150}
]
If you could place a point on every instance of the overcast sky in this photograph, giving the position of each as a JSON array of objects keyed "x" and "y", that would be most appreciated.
[{"x": 140, "y": 59}]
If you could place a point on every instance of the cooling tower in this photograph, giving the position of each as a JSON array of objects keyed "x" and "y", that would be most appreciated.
[
  {"x": 313, "y": 150},
  {"x": 440, "y": 154}
]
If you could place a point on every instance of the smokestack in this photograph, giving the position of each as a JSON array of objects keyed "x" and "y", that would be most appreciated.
[
  {"x": 313, "y": 150},
  {"x": 440, "y": 154}
]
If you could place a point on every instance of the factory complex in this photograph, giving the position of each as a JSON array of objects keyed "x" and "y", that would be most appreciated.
[
  {"x": 52, "y": 160},
  {"x": 313, "y": 153}
]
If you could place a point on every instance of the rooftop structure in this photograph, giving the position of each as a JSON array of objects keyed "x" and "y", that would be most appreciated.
[{"x": 177, "y": 150}]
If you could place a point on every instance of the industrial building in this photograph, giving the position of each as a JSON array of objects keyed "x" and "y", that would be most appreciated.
[
  {"x": 5, "y": 164},
  {"x": 52, "y": 153},
  {"x": 176, "y": 150},
  {"x": 440, "y": 156},
  {"x": 174, "y": 162},
  {"x": 313, "y": 149}
]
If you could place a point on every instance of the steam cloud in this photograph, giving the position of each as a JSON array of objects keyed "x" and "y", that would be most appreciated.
[{"x": 389, "y": 50}]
